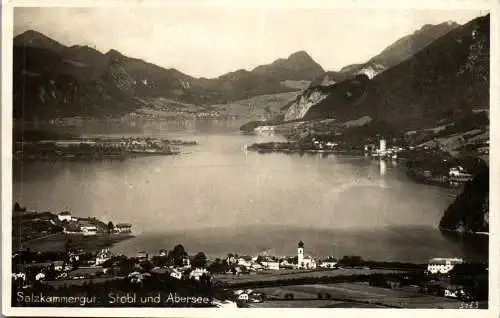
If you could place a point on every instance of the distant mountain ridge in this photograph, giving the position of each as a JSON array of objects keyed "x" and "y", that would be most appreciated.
[
  {"x": 394, "y": 54},
  {"x": 451, "y": 74},
  {"x": 53, "y": 80}
]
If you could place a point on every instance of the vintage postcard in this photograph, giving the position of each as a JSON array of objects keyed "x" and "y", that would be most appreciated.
[{"x": 209, "y": 158}]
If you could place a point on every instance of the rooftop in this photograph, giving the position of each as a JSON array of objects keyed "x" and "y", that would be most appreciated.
[{"x": 123, "y": 225}]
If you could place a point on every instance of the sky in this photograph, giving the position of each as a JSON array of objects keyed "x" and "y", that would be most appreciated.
[{"x": 211, "y": 41}]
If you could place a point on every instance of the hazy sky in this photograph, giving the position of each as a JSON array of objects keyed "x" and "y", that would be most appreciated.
[{"x": 211, "y": 41}]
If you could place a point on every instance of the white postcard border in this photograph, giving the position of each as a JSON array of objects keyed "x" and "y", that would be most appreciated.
[{"x": 6, "y": 115}]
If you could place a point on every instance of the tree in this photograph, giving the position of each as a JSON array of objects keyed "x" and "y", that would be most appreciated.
[
  {"x": 111, "y": 227},
  {"x": 17, "y": 207},
  {"x": 199, "y": 260},
  {"x": 160, "y": 261},
  {"x": 178, "y": 254}
]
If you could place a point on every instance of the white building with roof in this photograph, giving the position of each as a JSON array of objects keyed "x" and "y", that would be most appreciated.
[
  {"x": 64, "y": 216},
  {"x": 88, "y": 230},
  {"x": 440, "y": 265},
  {"x": 103, "y": 256}
]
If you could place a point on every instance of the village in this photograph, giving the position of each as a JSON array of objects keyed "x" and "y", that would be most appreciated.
[
  {"x": 243, "y": 280},
  {"x": 426, "y": 162}
]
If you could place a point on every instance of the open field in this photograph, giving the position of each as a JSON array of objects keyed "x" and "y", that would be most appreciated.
[
  {"x": 353, "y": 295},
  {"x": 270, "y": 276},
  {"x": 313, "y": 303}
]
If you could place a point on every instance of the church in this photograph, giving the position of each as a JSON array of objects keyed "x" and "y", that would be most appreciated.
[{"x": 304, "y": 262}]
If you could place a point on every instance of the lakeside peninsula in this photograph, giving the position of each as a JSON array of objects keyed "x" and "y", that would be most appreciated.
[{"x": 47, "y": 231}]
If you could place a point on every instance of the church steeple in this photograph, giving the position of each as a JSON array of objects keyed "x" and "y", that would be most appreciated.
[{"x": 300, "y": 253}]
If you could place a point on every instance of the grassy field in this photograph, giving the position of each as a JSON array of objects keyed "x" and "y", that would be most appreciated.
[
  {"x": 270, "y": 276},
  {"x": 353, "y": 295},
  {"x": 316, "y": 303}
]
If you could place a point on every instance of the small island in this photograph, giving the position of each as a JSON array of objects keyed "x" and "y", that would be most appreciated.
[{"x": 96, "y": 148}]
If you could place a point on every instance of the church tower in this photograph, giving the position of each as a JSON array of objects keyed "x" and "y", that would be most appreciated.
[{"x": 300, "y": 253}]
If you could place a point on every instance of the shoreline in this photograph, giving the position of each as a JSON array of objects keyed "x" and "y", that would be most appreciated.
[
  {"x": 56, "y": 242},
  {"x": 465, "y": 233}
]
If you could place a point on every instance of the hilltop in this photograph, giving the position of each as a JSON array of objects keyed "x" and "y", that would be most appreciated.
[
  {"x": 394, "y": 54},
  {"x": 442, "y": 81},
  {"x": 54, "y": 80}
]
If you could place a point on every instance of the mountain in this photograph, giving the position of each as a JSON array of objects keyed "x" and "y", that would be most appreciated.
[
  {"x": 450, "y": 75},
  {"x": 34, "y": 39},
  {"x": 298, "y": 66},
  {"x": 54, "y": 80},
  {"x": 394, "y": 54}
]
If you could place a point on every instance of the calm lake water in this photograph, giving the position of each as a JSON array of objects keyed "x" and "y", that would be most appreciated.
[{"x": 218, "y": 198}]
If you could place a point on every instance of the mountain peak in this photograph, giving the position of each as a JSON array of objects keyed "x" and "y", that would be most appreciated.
[
  {"x": 32, "y": 38},
  {"x": 114, "y": 55},
  {"x": 298, "y": 66},
  {"x": 114, "y": 52},
  {"x": 300, "y": 55}
]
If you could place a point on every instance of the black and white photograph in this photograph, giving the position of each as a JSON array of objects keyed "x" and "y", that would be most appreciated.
[{"x": 216, "y": 155}]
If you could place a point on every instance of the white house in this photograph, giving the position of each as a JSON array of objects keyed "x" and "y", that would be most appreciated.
[
  {"x": 64, "y": 216},
  {"x": 245, "y": 261},
  {"x": 304, "y": 262},
  {"x": 88, "y": 230},
  {"x": 175, "y": 274},
  {"x": 40, "y": 276},
  {"x": 285, "y": 263},
  {"x": 328, "y": 263},
  {"x": 59, "y": 265},
  {"x": 103, "y": 256},
  {"x": 459, "y": 174},
  {"x": 123, "y": 228},
  {"x": 442, "y": 265},
  {"x": 271, "y": 264},
  {"x": 197, "y": 273}
]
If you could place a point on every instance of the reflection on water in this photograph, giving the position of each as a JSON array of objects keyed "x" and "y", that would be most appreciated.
[
  {"x": 217, "y": 197},
  {"x": 383, "y": 167}
]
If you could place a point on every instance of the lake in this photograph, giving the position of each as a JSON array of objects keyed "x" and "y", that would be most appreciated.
[{"x": 219, "y": 198}]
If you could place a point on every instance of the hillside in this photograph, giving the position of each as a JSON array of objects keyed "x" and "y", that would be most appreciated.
[
  {"x": 54, "y": 80},
  {"x": 394, "y": 54},
  {"x": 470, "y": 210},
  {"x": 448, "y": 77}
]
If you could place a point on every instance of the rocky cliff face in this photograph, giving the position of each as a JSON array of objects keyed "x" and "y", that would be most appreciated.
[
  {"x": 345, "y": 92},
  {"x": 304, "y": 102}
]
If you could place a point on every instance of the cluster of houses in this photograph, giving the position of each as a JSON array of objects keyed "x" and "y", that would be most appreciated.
[
  {"x": 86, "y": 227},
  {"x": 245, "y": 263},
  {"x": 441, "y": 265},
  {"x": 383, "y": 151},
  {"x": 249, "y": 295},
  {"x": 25, "y": 274},
  {"x": 459, "y": 174}
]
